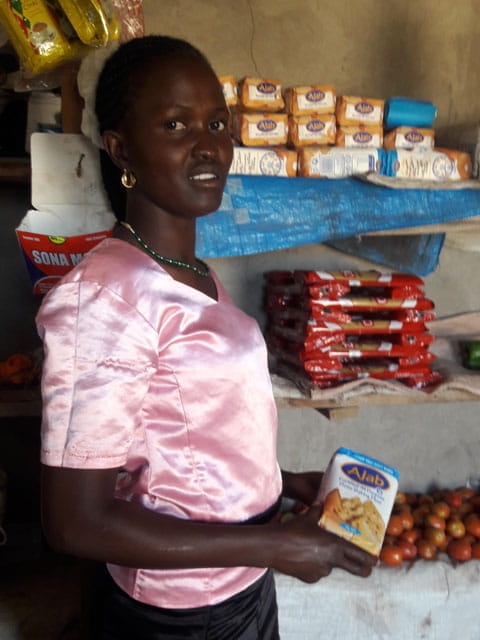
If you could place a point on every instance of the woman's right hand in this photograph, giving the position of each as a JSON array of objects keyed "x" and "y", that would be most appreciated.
[{"x": 308, "y": 552}]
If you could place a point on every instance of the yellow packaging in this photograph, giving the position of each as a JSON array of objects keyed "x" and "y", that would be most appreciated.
[
  {"x": 39, "y": 34},
  {"x": 274, "y": 161},
  {"x": 261, "y": 129},
  {"x": 358, "y": 493},
  {"x": 438, "y": 164},
  {"x": 354, "y": 110},
  {"x": 229, "y": 86},
  {"x": 93, "y": 20},
  {"x": 359, "y": 136},
  {"x": 409, "y": 138},
  {"x": 310, "y": 130},
  {"x": 315, "y": 99},
  {"x": 260, "y": 94}
]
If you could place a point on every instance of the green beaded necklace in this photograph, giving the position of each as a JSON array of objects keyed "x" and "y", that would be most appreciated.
[{"x": 178, "y": 263}]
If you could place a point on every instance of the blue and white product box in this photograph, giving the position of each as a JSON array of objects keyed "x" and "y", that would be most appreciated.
[{"x": 358, "y": 494}]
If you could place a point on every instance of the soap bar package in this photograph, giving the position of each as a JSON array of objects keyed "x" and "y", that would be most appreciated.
[
  {"x": 338, "y": 162},
  {"x": 304, "y": 101},
  {"x": 311, "y": 130},
  {"x": 260, "y": 94},
  {"x": 438, "y": 165},
  {"x": 358, "y": 493},
  {"x": 272, "y": 161},
  {"x": 410, "y": 138},
  {"x": 261, "y": 129},
  {"x": 352, "y": 110}
]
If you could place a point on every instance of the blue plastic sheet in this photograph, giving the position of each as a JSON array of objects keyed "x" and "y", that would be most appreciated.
[
  {"x": 260, "y": 213},
  {"x": 418, "y": 254}
]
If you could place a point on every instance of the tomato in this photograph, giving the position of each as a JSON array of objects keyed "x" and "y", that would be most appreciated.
[
  {"x": 437, "y": 536},
  {"x": 468, "y": 537},
  {"x": 472, "y": 525},
  {"x": 453, "y": 499},
  {"x": 391, "y": 555},
  {"x": 389, "y": 540},
  {"x": 464, "y": 509},
  {"x": 426, "y": 550},
  {"x": 409, "y": 550},
  {"x": 465, "y": 492},
  {"x": 411, "y": 498},
  {"x": 459, "y": 550},
  {"x": 431, "y": 520},
  {"x": 400, "y": 498},
  {"x": 441, "y": 509},
  {"x": 419, "y": 514},
  {"x": 444, "y": 545},
  {"x": 476, "y": 550},
  {"x": 395, "y": 525},
  {"x": 407, "y": 520},
  {"x": 424, "y": 498},
  {"x": 476, "y": 502},
  {"x": 410, "y": 535},
  {"x": 456, "y": 528}
]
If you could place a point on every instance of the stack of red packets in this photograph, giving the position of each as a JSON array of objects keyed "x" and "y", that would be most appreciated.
[{"x": 329, "y": 327}]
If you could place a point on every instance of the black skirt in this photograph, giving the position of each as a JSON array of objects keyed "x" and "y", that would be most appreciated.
[{"x": 248, "y": 615}]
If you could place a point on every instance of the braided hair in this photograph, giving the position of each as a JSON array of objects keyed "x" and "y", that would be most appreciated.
[{"x": 117, "y": 87}]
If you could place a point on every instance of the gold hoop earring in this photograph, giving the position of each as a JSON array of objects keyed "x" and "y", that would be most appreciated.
[{"x": 128, "y": 179}]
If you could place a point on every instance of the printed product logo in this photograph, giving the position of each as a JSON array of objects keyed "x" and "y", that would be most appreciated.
[
  {"x": 57, "y": 239},
  {"x": 364, "y": 108},
  {"x": 442, "y": 167},
  {"x": 414, "y": 137},
  {"x": 362, "y": 137},
  {"x": 266, "y": 87},
  {"x": 365, "y": 475},
  {"x": 270, "y": 164},
  {"x": 315, "y": 126},
  {"x": 315, "y": 95},
  {"x": 267, "y": 125}
]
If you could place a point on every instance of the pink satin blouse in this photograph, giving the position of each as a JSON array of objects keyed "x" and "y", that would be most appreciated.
[{"x": 147, "y": 374}]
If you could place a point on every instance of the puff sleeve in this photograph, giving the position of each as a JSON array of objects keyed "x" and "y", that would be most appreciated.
[{"x": 100, "y": 354}]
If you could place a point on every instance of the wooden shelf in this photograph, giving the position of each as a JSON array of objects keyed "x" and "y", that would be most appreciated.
[
  {"x": 14, "y": 169},
  {"x": 348, "y": 405},
  {"x": 465, "y": 224}
]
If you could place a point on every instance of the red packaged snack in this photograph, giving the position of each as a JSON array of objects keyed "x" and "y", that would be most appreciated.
[
  {"x": 358, "y": 303},
  {"x": 365, "y": 327},
  {"x": 359, "y": 278}
]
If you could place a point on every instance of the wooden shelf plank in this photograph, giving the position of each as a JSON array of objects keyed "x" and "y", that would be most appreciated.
[{"x": 15, "y": 169}]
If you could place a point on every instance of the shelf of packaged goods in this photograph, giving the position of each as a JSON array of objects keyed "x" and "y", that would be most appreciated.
[{"x": 14, "y": 169}]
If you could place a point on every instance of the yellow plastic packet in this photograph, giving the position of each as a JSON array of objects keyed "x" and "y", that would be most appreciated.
[
  {"x": 39, "y": 33},
  {"x": 94, "y": 21}
]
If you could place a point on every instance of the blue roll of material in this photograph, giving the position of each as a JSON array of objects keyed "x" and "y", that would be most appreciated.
[{"x": 405, "y": 112}]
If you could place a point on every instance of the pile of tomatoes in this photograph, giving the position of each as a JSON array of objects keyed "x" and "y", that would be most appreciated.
[{"x": 425, "y": 525}]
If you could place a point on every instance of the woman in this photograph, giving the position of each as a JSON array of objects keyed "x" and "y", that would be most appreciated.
[{"x": 159, "y": 426}]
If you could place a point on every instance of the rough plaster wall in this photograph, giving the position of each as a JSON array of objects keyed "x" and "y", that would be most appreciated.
[{"x": 423, "y": 49}]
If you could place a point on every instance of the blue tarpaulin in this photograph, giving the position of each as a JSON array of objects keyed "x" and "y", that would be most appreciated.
[{"x": 260, "y": 213}]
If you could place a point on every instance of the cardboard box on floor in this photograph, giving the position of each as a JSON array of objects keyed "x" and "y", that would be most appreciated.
[{"x": 72, "y": 212}]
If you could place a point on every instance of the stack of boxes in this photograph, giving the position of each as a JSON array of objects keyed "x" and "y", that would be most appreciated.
[
  {"x": 327, "y": 328},
  {"x": 308, "y": 131}
]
